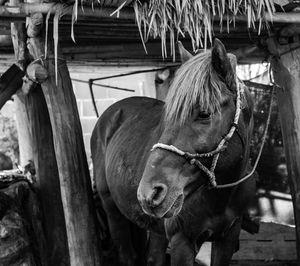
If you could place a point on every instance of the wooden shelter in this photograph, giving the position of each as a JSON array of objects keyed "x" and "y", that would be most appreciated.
[{"x": 113, "y": 32}]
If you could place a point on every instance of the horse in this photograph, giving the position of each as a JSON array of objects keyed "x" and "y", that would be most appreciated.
[{"x": 173, "y": 167}]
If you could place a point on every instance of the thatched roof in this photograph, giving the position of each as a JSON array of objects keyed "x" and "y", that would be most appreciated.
[
  {"x": 118, "y": 26},
  {"x": 174, "y": 19},
  {"x": 195, "y": 19}
]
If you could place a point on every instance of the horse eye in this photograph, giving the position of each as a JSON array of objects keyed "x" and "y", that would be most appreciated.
[{"x": 203, "y": 115}]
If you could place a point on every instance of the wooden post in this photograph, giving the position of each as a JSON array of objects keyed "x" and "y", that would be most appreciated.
[
  {"x": 48, "y": 186},
  {"x": 52, "y": 246},
  {"x": 73, "y": 170},
  {"x": 286, "y": 72},
  {"x": 19, "y": 43}
]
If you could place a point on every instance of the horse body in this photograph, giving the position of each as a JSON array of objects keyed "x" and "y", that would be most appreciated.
[
  {"x": 120, "y": 156},
  {"x": 163, "y": 192}
]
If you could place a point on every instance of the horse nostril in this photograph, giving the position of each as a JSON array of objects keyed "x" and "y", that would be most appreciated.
[{"x": 158, "y": 194}]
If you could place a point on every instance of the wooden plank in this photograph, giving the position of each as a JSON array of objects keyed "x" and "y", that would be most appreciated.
[
  {"x": 273, "y": 242},
  {"x": 261, "y": 263},
  {"x": 258, "y": 250},
  {"x": 271, "y": 231}
]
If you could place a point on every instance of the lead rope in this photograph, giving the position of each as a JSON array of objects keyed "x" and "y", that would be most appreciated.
[{"x": 260, "y": 150}]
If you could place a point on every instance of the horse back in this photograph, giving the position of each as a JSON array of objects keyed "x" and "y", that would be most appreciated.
[
  {"x": 120, "y": 144},
  {"x": 135, "y": 111}
]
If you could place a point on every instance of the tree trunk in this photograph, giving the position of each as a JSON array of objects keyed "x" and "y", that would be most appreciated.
[{"x": 286, "y": 72}]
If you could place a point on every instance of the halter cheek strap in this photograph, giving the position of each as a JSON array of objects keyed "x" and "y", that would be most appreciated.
[{"x": 193, "y": 158}]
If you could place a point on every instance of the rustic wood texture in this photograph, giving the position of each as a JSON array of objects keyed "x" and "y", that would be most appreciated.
[
  {"x": 71, "y": 159},
  {"x": 26, "y": 9},
  {"x": 18, "y": 35},
  {"x": 52, "y": 247},
  {"x": 274, "y": 242},
  {"x": 36, "y": 72},
  {"x": 48, "y": 186},
  {"x": 22, "y": 10},
  {"x": 24, "y": 136},
  {"x": 10, "y": 82},
  {"x": 286, "y": 71},
  {"x": 72, "y": 166}
]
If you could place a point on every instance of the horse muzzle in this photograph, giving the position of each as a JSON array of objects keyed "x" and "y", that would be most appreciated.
[{"x": 157, "y": 202}]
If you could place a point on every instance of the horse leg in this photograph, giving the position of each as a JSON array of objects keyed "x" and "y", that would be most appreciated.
[
  {"x": 139, "y": 241},
  {"x": 182, "y": 251},
  {"x": 119, "y": 228},
  {"x": 157, "y": 250},
  {"x": 223, "y": 249}
]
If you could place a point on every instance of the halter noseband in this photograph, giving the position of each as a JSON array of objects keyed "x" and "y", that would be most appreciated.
[{"x": 193, "y": 158}]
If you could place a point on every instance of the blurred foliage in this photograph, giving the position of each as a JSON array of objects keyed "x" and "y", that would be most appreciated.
[
  {"x": 272, "y": 166},
  {"x": 9, "y": 144}
]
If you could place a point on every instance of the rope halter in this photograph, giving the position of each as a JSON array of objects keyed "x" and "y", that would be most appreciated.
[{"x": 193, "y": 158}]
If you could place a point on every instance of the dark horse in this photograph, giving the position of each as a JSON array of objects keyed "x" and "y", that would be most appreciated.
[{"x": 156, "y": 164}]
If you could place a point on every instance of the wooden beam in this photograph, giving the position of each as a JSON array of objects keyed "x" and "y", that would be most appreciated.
[
  {"x": 10, "y": 82},
  {"x": 286, "y": 75},
  {"x": 26, "y": 9}
]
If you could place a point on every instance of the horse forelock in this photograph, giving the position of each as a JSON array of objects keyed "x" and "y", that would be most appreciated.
[{"x": 195, "y": 83}]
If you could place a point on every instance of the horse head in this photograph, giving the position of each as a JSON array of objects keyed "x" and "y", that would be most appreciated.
[{"x": 199, "y": 111}]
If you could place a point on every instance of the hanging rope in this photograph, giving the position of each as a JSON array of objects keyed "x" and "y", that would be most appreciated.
[
  {"x": 260, "y": 150},
  {"x": 91, "y": 82},
  {"x": 135, "y": 72},
  {"x": 93, "y": 97}
]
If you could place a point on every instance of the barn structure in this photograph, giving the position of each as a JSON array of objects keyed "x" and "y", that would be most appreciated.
[{"x": 46, "y": 35}]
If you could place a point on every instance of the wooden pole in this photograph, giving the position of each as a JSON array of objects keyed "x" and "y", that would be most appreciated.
[
  {"x": 10, "y": 82},
  {"x": 37, "y": 238},
  {"x": 26, "y": 9},
  {"x": 286, "y": 72},
  {"x": 24, "y": 137},
  {"x": 47, "y": 179},
  {"x": 75, "y": 185},
  {"x": 33, "y": 115}
]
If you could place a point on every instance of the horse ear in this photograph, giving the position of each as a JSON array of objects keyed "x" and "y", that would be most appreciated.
[
  {"x": 163, "y": 74},
  {"x": 222, "y": 63},
  {"x": 185, "y": 55}
]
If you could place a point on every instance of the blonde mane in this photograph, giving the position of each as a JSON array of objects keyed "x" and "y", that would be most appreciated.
[{"x": 196, "y": 83}]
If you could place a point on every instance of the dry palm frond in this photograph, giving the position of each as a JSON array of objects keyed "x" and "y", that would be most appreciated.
[{"x": 171, "y": 18}]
